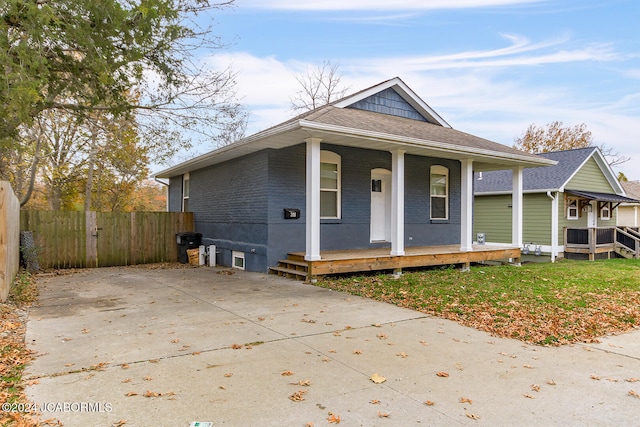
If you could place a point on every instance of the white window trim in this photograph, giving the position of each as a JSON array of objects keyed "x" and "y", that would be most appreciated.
[
  {"x": 333, "y": 158},
  {"x": 439, "y": 170},
  {"x": 606, "y": 207},
  {"x": 186, "y": 189},
  {"x": 570, "y": 206},
  {"x": 237, "y": 255}
]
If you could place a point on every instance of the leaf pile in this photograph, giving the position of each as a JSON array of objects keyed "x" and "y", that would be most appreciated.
[
  {"x": 545, "y": 304},
  {"x": 13, "y": 353}
]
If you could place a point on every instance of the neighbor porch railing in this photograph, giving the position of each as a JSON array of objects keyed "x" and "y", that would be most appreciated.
[{"x": 594, "y": 240}]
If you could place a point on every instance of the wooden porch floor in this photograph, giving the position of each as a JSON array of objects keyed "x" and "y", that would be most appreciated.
[{"x": 360, "y": 260}]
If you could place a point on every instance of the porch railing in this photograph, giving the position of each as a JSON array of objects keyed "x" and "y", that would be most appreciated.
[{"x": 600, "y": 240}]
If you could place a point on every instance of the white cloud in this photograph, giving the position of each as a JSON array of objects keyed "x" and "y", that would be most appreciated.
[{"x": 377, "y": 5}]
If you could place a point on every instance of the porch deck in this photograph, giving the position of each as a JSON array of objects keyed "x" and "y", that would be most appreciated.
[{"x": 360, "y": 260}]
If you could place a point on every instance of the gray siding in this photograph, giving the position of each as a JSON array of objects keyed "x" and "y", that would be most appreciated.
[
  {"x": 175, "y": 194},
  {"x": 239, "y": 205},
  {"x": 229, "y": 202}
]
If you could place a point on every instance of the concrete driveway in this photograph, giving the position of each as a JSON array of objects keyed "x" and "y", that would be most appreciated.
[{"x": 168, "y": 347}]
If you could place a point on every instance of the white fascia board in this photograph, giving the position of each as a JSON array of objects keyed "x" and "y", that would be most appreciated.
[
  {"x": 508, "y": 192},
  {"x": 209, "y": 158},
  {"x": 404, "y": 91},
  {"x": 608, "y": 173},
  {"x": 426, "y": 143}
]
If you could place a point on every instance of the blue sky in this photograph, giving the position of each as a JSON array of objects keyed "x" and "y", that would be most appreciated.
[{"x": 488, "y": 67}]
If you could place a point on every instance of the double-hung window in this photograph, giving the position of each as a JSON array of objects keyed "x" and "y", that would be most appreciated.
[
  {"x": 439, "y": 184},
  {"x": 329, "y": 185}
]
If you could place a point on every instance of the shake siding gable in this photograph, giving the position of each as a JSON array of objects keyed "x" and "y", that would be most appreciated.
[{"x": 388, "y": 102}]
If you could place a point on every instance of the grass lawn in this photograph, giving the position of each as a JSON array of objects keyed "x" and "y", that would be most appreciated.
[{"x": 540, "y": 303}]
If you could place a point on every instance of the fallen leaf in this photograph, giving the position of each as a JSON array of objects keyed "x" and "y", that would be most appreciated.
[
  {"x": 375, "y": 402},
  {"x": 236, "y": 346},
  {"x": 634, "y": 394},
  {"x": 357, "y": 351},
  {"x": 632, "y": 380},
  {"x": 382, "y": 336},
  {"x": 119, "y": 423},
  {"x": 85, "y": 331},
  {"x": 595, "y": 377},
  {"x": 124, "y": 366},
  {"x": 333, "y": 419},
  {"x": 287, "y": 373},
  {"x": 298, "y": 396},
  {"x": 429, "y": 403},
  {"x": 131, "y": 393},
  {"x": 528, "y": 396},
  {"x": 551, "y": 382},
  {"x": 228, "y": 374},
  {"x": 377, "y": 379},
  {"x": 402, "y": 354},
  {"x": 150, "y": 393},
  {"x": 384, "y": 414},
  {"x": 126, "y": 380},
  {"x": 175, "y": 341},
  {"x": 147, "y": 378},
  {"x": 473, "y": 416},
  {"x": 465, "y": 400},
  {"x": 442, "y": 374}
]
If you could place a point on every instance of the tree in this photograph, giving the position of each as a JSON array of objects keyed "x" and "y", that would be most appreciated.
[
  {"x": 318, "y": 87},
  {"x": 136, "y": 60},
  {"x": 556, "y": 137}
]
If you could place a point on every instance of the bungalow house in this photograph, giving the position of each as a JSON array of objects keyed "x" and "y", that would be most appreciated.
[
  {"x": 570, "y": 209},
  {"x": 373, "y": 181},
  {"x": 629, "y": 213}
]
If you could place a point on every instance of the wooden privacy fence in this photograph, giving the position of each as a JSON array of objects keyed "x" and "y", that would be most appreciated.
[
  {"x": 69, "y": 239},
  {"x": 9, "y": 238}
]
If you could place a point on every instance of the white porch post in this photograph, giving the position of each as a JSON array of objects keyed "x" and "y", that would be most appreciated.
[
  {"x": 466, "y": 206},
  {"x": 554, "y": 227},
  {"x": 397, "y": 202},
  {"x": 313, "y": 200},
  {"x": 516, "y": 203}
]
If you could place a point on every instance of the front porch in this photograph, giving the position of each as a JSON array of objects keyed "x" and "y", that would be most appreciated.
[
  {"x": 602, "y": 242},
  {"x": 364, "y": 260}
]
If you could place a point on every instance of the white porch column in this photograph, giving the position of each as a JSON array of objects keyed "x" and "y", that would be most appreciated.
[
  {"x": 516, "y": 203},
  {"x": 397, "y": 202},
  {"x": 466, "y": 206},
  {"x": 313, "y": 200},
  {"x": 554, "y": 227}
]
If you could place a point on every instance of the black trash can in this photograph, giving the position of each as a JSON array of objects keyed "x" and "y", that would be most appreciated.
[{"x": 187, "y": 240}]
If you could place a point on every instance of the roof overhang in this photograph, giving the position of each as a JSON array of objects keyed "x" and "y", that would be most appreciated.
[
  {"x": 296, "y": 132},
  {"x": 602, "y": 197}
]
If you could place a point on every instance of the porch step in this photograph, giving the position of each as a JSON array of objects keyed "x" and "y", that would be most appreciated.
[
  {"x": 291, "y": 268},
  {"x": 623, "y": 252}
]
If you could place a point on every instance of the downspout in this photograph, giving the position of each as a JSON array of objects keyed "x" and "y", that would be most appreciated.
[{"x": 554, "y": 225}]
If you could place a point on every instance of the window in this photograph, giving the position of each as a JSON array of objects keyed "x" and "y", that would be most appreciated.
[
  {"x": 605, "y": 211},
  {"x": 329, "y": 185},
  {"x": 439, "y": 180},
  {"x": 185, "y": 192},
  {"x": 238, "y": 260},
  {"x": 572, "y": 209}
]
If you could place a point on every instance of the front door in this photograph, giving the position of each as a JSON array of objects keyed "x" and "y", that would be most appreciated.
[
  {"x": 592, "y": 215},
  {"x": 380, "y": 205}
]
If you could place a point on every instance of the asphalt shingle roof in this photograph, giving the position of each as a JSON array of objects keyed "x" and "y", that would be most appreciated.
[{"x": 540, "y": 178}]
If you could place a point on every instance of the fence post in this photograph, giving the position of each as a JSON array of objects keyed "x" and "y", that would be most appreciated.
[
  {"x": 9, "y": 238},
  {"x": 91, "y": 239}
]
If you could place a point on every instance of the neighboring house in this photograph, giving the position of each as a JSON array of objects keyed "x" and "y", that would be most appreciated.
[
  {"x": 580, "y": 192},
  {"x": 377, "y": 170},
  {"x": 629, "y": 213}
]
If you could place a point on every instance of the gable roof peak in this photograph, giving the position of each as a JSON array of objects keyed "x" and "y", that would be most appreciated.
[{"x": 405, "y": 92}]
